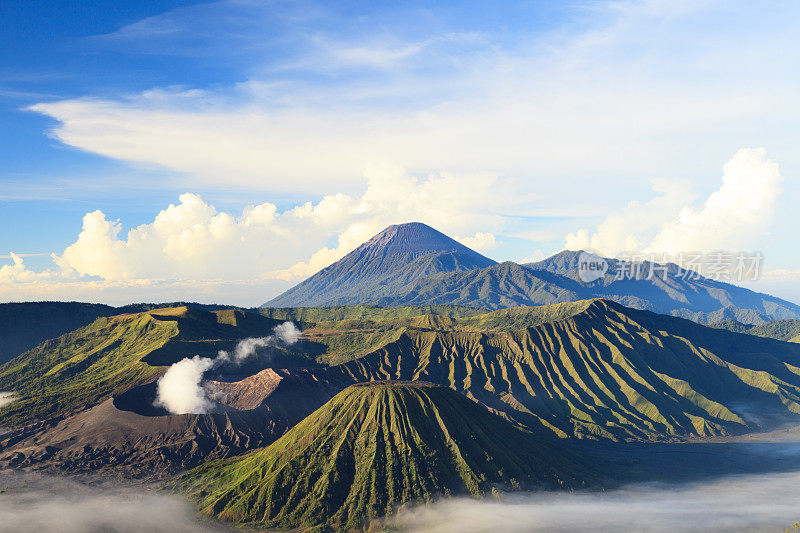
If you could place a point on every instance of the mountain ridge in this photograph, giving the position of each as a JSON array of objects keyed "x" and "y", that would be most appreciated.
[
  {"x": 438, "y": 271},
  {"x": 599, "y": 371}
]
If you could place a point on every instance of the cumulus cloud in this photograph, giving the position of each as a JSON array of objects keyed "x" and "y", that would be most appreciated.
[
  {"x": 191, "y": 243},
  {"x": 482, "y": 242},
  {"x": 535, "y": 257},
  {"x": 191, "y": 239},
  {"x": 19, "y": 273},
  {"x": 734, "y": 217},
  {"x": 766, "y": 502},
  {"x": 181, "y": 389}
]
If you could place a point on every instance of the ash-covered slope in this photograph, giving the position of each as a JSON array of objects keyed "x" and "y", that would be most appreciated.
[
  {"x": 603, "y": 371},
  {"x": 389, "y": 260},
  {"x": 110, "y": 440},
  {"x": 373, "y": 448},
  {"x": 128, "y": 435}
]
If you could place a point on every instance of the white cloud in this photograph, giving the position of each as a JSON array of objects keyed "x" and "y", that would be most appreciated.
[
  {"x": 735, "y": 217},
  {"x": 638, "y": 221},
  {"x": 535, "y": 257},
  {"x": 763, "y": 502},
  {"x": 192, "y": 239},
  {"x": 614, "y": 97},
  {"x": 190, "y": 246},
  {"x": 33, "y": 502},
  {"x": 17, "y": 271},
  {"x": 481, "y": 242}
]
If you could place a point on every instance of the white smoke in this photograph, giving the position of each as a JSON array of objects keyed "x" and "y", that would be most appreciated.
[
  {"x": 181, "y": 389},
  {"x": 287, "y": 333}
]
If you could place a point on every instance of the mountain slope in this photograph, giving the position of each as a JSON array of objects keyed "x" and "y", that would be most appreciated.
[
  {"x": 556, "y": 280},
  {"x": 494, "y": 287},
  {"x": 415, "y": 265},
  {"x": 372, "y": 448},
  {"x": 677, "y": 293},
  {"x": 602, "y": 371},
  {"x": 107, "y": 439},
  {"x": 782, "y": 330},
  {"x": 25, "y": 325},
  {"x": 114, "y": 354},
  {"x": 393, "y": 258}
]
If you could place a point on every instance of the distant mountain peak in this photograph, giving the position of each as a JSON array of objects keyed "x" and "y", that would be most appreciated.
[
  {"x": 415, "y": 238},
  {"x": 394, "y": 257}
]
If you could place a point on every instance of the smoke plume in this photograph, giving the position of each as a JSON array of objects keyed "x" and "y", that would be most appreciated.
[{"x": 181, "y": 389}]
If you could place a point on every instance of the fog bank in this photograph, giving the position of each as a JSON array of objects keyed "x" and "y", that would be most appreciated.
[
  {"x": 6, "y": 397},
  {"x": 37, "y": 503},
  {"x": 768, "y": 502}
]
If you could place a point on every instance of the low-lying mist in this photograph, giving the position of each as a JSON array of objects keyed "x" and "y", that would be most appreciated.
[
  {"x": 36, "y": 503},
  {"x": 6, "y": 397},
  {"x": 765, "y": 502}
]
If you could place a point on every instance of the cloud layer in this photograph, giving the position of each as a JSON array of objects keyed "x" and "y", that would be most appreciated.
[
  {"x": 33, "y": 502},
  {"x": 766, "y": 502},
  {"x": 192, "y": 246}
]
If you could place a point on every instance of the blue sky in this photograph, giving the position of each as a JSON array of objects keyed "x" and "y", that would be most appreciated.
[{"x": 249, "y": 143}]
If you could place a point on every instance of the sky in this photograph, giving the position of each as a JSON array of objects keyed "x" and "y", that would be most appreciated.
[{"x": 224, "y": 151}]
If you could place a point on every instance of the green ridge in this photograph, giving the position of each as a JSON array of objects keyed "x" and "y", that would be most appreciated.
[
  {"x": 608, "y": 371},
  {"x": 782, "y": 330},
  {"x": 351, "y": 332},
  {"x": 371, "y": 449},
  {"x": 113, "y": 354}
]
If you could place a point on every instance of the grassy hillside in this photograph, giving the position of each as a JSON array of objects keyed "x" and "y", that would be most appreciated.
[
  {"x": 782, "y": 330},
  {"x": 113, "y": 354},
  {"x": 606, "y": 371},
  {"x": 371, "y": 449},
  {"x": 25, "y": 325},
  {"x": 314, "y": 315},
  {"x": 346, "y": 333}
]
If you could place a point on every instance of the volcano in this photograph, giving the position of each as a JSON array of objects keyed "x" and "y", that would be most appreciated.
[
  {"x": 375, "y": 447},
  {"x": 388, "y": 261}
]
